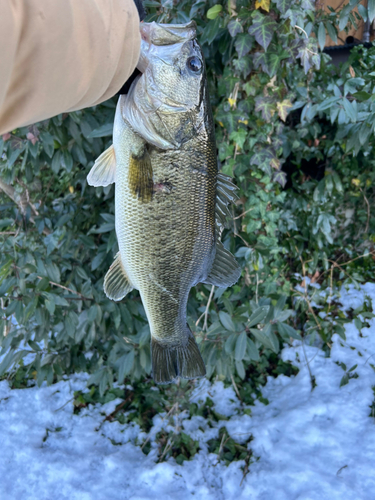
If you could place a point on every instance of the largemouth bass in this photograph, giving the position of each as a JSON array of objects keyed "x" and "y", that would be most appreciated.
[{"x": 170, "y": 201}]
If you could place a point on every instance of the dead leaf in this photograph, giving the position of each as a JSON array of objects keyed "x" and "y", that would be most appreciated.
[
  {"x": 31, "y": 137},
  {"x": 315, "y": 278},
  {"x": 263, "y": 4}
]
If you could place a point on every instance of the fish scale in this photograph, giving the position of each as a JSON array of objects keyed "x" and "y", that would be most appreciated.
[{"x": 163, "y": 163}]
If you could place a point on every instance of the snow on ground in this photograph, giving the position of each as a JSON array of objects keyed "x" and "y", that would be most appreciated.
[{"x": 310, "y": 445}]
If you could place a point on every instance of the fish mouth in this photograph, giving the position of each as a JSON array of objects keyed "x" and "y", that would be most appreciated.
[
  {"x": 157, "y": 34},
  {"x": 167, "y": 34}
]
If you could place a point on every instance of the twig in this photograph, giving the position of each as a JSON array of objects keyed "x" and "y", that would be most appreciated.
[
  {"x": 118, "y": 407},
  {"x": 19, "y": 201},
  {"x": 66, "y": 288},
  {"x": 312, "y": 378},
  {"x": 310, "y": 308},
  {"x": 166, "y": 416},
  {"x": 205, "y": 314},
  {"x": 166, "y": 449},
  {"x": 63, "y": 287},
  {"x": 63, "y": 406},
  {"x": 222, "y": 444},
  {"x": 368, "y": 210},
  {"x": 237, "y": 234},
  {"x": 235, "y": 387},
  {"x": 243, "y": 213},
  {"x": 33, "y": 207},
  {"x": 246, "y": 468},
  {"x": 303, "y": 31}
]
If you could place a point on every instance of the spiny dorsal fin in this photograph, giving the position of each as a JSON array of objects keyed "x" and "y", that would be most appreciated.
[
  {"x": 140, "y": 176},
  {"x": 177, "y": 361},
  {"x": 225, "y": 194},
  {"x": 104, "y": 170},
  {"x": 116, "y": 282},
  {"x": 225, "y": 270}
]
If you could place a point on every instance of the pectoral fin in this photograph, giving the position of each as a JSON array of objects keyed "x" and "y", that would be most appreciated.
[
  {"x": 140, "y": 176},
  {"x": 116, "y": 281},
  {"x": 104, "y": 169},
  {"x": 225, "y": 270}
]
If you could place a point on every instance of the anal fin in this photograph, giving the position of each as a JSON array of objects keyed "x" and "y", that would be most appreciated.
[
  {"x": 116, "y": 281},
  {"x": 104, "y": 170},
  {"x": 225, "y": 270},
  {"x": 177, "y": 361}
]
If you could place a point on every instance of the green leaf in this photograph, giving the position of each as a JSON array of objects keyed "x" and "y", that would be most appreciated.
[
  {"x": 258, "y": 316},
  {"x": 362, "y": 95},
  {"x": 358, "y": 324},
  {"x": 14, "y": 154},
  {"x": 287, "y": 331},
  {"x": 5, "y": 269},
  {"x": 322, "y": 36},
  {"x": 252, "y": 350},
  {"x": 267, "y": 338},
  {"x": 343, "y": 20},
  {"x": 371, "y": 10},
  {"x": 103, "y": 131},
  {"x": 331, "y": 32},
  {"x": 350, "y": 109},
  {"x": 362, "y": 11},
  {"x": 273, "y": 64},
  {"x": 243, "y": 44},
  {"x": 34, "y": 346},
  {"x": 211, "y": 30},
  {"x": 262, "y": 59},
  {"x": 242, "y": 66},
  {"x": 226, "y": 321},
  {"x": 67, "y": 161},
  {"x": 265, "y": 158},
  {"x": 239, "y": 137},
  {"x": 234, "y": 27},
  {"x": 214, "y": 11},
  {"x": 126, "y": 365},
  {"x": 240, "y": 369},
  {"x": 265, "y": 105},
  {"x": 283, "y": 5},
  {"x": 344, "y": 380},
  {"x": 241, "y": 346},
  {"x": 96, "y": 377},
  {"x": 50, "y": 303},
  {"x": 280, "y": 177},
  {"x": 351, "y": 85},
  {"x": 263, "y": 28},
  {"x": 230, "y": 343}
]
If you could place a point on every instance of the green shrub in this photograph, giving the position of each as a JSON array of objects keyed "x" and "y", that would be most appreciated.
[{"x": 280, "y": 107}]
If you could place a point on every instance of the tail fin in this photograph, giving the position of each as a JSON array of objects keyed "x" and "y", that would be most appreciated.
[{"x": 171, "y": 362}]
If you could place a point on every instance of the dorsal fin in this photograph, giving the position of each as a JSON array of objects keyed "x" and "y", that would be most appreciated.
[{"x": 225, "y": 194}]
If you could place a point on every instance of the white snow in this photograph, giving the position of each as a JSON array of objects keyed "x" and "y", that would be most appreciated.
[{"x": 309, "y": 444}]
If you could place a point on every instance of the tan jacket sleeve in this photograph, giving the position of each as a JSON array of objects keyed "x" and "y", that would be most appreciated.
[{"x": 63, "y": 55}]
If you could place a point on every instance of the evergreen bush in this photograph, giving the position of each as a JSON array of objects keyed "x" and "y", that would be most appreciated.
[{"x": 294, "y": 132}]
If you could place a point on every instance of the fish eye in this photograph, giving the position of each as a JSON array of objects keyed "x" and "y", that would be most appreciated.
[{"x": 194, "y": 64}]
